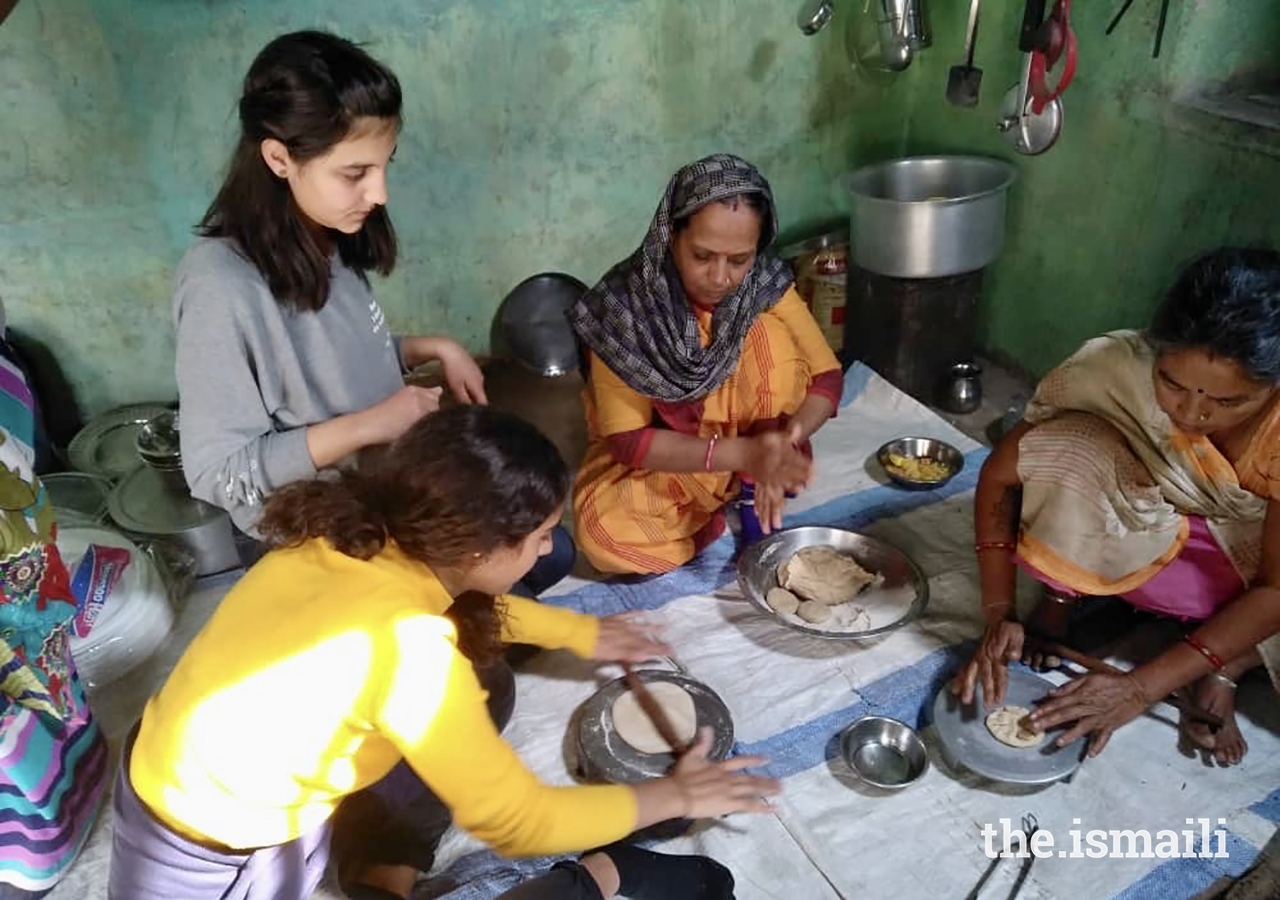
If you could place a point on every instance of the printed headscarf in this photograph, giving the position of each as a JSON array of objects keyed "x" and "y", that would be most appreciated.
[{"x": 638, "y": 320}]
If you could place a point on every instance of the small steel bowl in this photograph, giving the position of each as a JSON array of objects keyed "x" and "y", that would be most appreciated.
[
  {"x": 884, "y": 752},
  {"x": 920, "y": 448},
  {"x": 157, "y": 441}
]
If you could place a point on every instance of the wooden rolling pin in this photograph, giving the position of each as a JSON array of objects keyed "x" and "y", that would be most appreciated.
[
  {"x": 652, "y": 710},
  {"x": 1093, "y": 664}
]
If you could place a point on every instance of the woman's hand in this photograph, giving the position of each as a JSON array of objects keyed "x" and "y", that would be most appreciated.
[
  {"x": 1098, "y": 704},
  {"x": 771, "y": 499},
  {"x": 387, "y": 420},
  {"x": 463, "y": 376},
  {"x": 626, "y": 637},
  {"x": 709, "y": 789},
  {"x": 774, "y": 458},
  {"x": 1001, "y": 644}
]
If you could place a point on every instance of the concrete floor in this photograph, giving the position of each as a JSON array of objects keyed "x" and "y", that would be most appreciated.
[{"x": 1003, "y": 390}]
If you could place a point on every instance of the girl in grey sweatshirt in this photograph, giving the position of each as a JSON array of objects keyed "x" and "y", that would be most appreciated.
[{"x": 285, "y": 363}]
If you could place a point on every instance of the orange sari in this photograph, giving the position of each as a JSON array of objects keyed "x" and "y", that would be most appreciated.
[
  {"x": 1108, "y": 483},
  {"x": 642, "y": 521}
]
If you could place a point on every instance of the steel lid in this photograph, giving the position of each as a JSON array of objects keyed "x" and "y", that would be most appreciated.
[
  {"x": 107, "y": 446},
  {"x": 533, "y": 324},
  {"x": 965, "y": 740},
  {"x": 78, "y": 498},
  {"x": 142, "y": 504}
]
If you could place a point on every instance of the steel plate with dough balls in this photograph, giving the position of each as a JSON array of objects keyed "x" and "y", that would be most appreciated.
[
  {"x": 899, "y": 597},
  {"x": 604, "y": 756},
  {"x": 967, "y": 742}
]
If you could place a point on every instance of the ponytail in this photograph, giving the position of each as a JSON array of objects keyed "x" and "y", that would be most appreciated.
[{"x": 336, "y": 510}]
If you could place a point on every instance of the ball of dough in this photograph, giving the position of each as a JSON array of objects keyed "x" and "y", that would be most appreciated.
[
  {"x": 636, "y": 728},
  {"x": 1007, "y": 726},
  {"x": 782, "y": 600},
  {"x": 813, "y": 611},
  {"x": 824, "y": 575}
]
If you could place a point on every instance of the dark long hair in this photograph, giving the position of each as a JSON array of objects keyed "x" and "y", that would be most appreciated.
[
  {"x": 463, "y": 481},
  {"x": 306, "y": 90},
  {"x": 1228, "y": 303}
]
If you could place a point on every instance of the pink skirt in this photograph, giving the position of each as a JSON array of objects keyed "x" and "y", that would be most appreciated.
[{"x": 1196, "y": 584}]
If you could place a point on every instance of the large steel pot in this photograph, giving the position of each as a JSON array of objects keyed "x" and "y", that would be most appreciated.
[
  {"x": 142, "y": 504},
  {"x": 928, "y": 216}
]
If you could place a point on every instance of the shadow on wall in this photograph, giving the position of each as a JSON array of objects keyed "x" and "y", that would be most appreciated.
[{"x": 57, "y": 407}]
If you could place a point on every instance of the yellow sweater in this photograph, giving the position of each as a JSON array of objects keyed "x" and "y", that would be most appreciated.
[{"x": 315, "y": 676}]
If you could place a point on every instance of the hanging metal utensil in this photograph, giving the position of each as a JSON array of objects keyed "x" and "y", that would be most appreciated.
[
  {"x": 1160, "y": 24},
  {"x": 1048, "y": 40},
  {"x": 915, "y": 15},
  {"x": 895, "y": 39},
  {"x": 814, "y": 16},
  {"x": 1028, "y": 132},
  {"x": 964, "y": 82}
]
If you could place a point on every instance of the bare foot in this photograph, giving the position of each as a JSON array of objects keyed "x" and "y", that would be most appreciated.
[
  {"x": 1212, "y": 694},
  {"x": 1049, "y": 622}
]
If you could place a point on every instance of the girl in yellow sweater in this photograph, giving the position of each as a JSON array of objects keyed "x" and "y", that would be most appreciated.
[{"x": 355, "y": 654}]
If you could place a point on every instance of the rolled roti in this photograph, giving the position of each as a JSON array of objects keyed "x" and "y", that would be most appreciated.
[
  {"x": 1006, "y": 726},
  {"x": 636, "y": 728}
]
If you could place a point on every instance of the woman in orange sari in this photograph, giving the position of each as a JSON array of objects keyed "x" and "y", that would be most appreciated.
[
  {"x": 1147, "y": 468},
  {"x": 706, "y": 376}
]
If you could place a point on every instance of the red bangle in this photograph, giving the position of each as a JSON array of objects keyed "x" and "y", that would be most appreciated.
[
  {"x": 984, "y": 546},
  {"x": 711, "y": 449},
  {"x": 1214, "y": 659}
]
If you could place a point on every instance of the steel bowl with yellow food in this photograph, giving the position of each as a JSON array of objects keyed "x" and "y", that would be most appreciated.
[{"x": 920, "y": 464}]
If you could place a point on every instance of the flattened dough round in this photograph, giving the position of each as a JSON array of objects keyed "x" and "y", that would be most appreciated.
[
  {"x": 782, "y": 600},
  {"x": 635, "y": 727},
  {"x": 1005, "y": 725},
  {"x": 813, "y": 611}
]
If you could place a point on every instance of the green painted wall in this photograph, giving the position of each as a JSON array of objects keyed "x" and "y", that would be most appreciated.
[
  {"x": 1137, "y": 183},
  {"x": 537, "y": 136}
]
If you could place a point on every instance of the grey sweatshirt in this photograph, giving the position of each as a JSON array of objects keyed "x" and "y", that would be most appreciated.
[{"x": 253, "y": 375}]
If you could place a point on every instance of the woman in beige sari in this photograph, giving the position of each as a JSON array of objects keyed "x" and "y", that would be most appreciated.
[{"x": 1147, "y": 467}]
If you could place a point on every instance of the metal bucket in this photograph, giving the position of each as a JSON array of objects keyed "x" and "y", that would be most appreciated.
[{"x": 928, "y": 216}]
